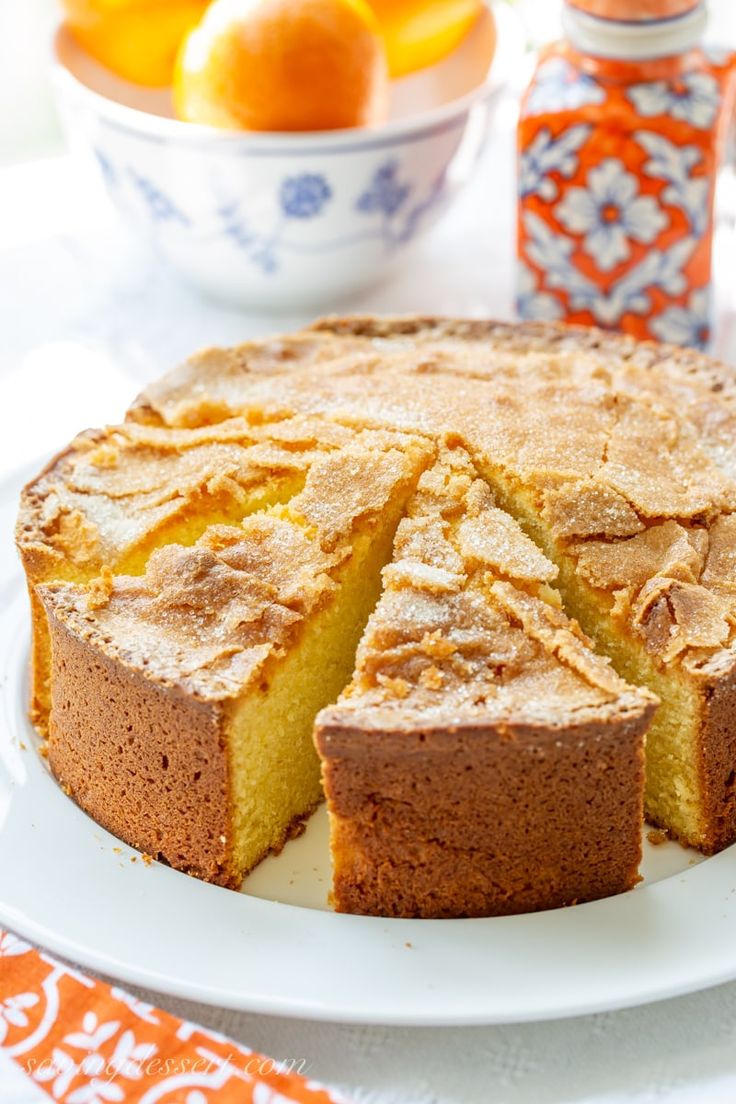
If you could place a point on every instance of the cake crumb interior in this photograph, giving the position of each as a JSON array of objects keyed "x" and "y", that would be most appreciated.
[
  {"x": 275, "y": 767},
  {"x": 672, "y": 793}
]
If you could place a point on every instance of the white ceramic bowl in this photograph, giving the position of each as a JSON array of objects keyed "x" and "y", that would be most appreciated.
[{"x": 289, "y": 221}]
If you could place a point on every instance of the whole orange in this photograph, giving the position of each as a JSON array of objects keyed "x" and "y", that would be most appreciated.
[
  {"x": 419, "y": 33},
  {"x": 137, "y": 39},
  {"x": 283, "y": 65}
]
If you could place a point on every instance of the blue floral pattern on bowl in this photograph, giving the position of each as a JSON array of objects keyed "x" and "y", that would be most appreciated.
[
  {"x": 160, "y": 205},
  {"x": 385, "y": 193},
  {"x": 300, "y": 197},
  {"x": 387, "y": 198},
  {"x": 303, "y": 197},
  {"x": 285, "y": 219},
  {"x": 384, "y": 203}
]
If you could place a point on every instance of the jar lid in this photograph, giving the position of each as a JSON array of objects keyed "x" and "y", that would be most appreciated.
[
  {"x": 633, "y": 39},
  {"x": 635, "y": 11}
]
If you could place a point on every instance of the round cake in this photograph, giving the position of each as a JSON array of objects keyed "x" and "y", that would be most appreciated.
[{"x": 475, "y": 583}]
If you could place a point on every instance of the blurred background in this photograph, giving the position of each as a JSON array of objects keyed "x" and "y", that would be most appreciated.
[{"x": 30, "y": 129}]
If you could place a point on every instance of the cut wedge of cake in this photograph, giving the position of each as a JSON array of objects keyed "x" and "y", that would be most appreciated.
[
  {"x": 483, "y": 759},
  {"x": 590, "y": 441},
  {"x": 183, "y": 699}
]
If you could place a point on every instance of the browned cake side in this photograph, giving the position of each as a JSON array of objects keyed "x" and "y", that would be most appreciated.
[
  {"x": 482, "y": 820},
  {"x": 717, "y": 753},
  {"x": 148, "y": 762}
]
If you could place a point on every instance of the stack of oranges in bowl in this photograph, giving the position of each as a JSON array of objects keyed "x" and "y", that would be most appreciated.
[
  {"x": 283, "y": 154},
  {"x": 271, "y": 65}
]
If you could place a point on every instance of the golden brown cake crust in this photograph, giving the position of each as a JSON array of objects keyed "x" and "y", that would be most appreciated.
[
  {"x": 114, "y": 494},
  {"x": 652, "y": 428},
  {"x": 113, "y": 489},
  {"x": 468, "y": 625},
  {"x": 518, "y": 396}
]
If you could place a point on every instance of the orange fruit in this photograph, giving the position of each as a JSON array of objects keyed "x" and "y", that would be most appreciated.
[
  {"x": 137, "y": 39},
  {"x": 419, "y": 33},
  {"x": 283, "y": 65}
]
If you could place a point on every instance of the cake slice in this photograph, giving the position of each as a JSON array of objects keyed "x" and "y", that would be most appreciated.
[
  {"x": 117, "y": 494},
  {"x": 483, "y": 760},
  {"x": 183, "y": 699}
]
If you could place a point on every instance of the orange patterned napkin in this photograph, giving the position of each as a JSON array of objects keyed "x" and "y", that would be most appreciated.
[{"x": 84, "y": 1042}]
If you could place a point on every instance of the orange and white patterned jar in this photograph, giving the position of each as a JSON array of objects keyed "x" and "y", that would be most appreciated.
[{"x": 621, "y": 134}]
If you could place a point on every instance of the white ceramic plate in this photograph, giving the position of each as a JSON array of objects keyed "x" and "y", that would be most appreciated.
[{"x": 276, "y": 948}]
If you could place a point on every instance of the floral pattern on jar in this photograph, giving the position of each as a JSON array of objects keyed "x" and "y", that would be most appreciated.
[{"x": 617, "y": 168}]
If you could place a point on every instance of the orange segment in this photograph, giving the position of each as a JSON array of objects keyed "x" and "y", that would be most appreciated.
[
  {"x": 419, "y": 33},
  {"x": 137, "y": 39},
  {"x": 283, "y": 65}
]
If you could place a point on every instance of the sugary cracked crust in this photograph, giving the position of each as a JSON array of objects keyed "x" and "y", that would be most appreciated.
[
  {"x": 469, "y": 627},
  {"x": 625, "y": 447},
  {"x": 206, "y": 618},
  {"x": 114, "y": 488}
]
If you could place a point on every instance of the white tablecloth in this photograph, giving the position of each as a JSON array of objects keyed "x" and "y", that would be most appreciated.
[{"x": 85, "y": 317}]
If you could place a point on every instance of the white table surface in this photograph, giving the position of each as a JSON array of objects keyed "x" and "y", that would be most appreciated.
[{"x": 85, "y": 318}]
